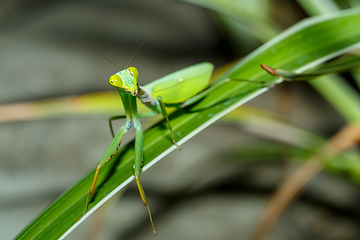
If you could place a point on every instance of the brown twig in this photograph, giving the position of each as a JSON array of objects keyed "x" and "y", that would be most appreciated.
[{"x": 343, "y": 140}]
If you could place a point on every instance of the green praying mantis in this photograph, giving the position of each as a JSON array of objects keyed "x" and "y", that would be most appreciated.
[{"x": 180, "y": 88}]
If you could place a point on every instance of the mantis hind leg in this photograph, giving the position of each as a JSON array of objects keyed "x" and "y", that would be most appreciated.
[
  {"x": 217, "y": 84},
  {"x": 164, "y": 113}
]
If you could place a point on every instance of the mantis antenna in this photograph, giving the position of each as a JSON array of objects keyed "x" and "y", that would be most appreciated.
[
  {"x": 103, "y": 56},
  {"x": 146, "y": 39}
]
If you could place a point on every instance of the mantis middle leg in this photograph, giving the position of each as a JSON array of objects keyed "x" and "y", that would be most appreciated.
[{"x": 164, "y": 113}]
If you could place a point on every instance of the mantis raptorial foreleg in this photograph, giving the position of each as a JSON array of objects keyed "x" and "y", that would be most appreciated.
[
  {"x": 116, "y": 117},
  {"x": 112, "y": 118},
  {"x": 113, "y": 147}
]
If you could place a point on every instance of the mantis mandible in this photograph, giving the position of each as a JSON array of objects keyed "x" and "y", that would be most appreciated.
[{"x": 173, "y": 89}]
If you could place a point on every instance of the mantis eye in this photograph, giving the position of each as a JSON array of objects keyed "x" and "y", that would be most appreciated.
[
  {"x": 115, "y": 81},
  {"x": 134, "y": 72}
]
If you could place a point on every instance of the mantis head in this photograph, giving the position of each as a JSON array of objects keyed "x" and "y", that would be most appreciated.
[{"x": 125, "y": 79}]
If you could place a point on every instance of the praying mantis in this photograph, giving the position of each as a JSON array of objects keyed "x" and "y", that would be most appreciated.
[{"x": 180, "y": 88}]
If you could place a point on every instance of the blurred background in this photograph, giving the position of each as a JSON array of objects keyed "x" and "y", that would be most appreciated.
[{"x": 213, "y": 188}]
